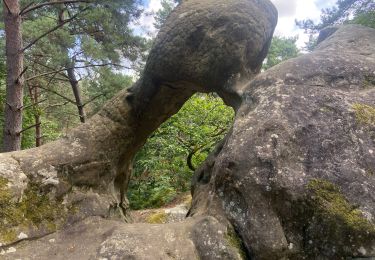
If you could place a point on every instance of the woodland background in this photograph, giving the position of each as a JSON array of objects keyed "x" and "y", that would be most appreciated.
[{"x": 78, "y": 54}]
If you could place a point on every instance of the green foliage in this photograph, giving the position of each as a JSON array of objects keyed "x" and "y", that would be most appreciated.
[
  {"x": 28, "y": 137},
  {"x": 97, "y": 41},
  {"x": 160, "y": 167},
  {"x": 366, "y": 19},
  {"x": 166, "y": 8},
  {"x": 281, "y": 49},
  {"x": 103, "y": 86},
  {"x": 346, "y": 11}
]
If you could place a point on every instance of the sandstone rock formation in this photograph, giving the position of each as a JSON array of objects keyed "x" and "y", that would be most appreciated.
[
  {"x": 294, "y": 178},
  {"x": 296, "y": 174},
  {"x": 204, "y": 46}
]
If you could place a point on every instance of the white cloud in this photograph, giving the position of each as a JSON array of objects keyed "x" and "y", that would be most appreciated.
[
  {"x": 286, "y": 8},
  {"x": 291, "y": 10},
  {"x": 154, "y": 5},
  {"x": 145, "y": 25}
]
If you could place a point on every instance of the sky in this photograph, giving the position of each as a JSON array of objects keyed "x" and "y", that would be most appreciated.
[{"x": 289, "y": 10}]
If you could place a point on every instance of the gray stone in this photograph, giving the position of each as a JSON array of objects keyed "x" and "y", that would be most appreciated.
[
  {"x": 296, "y": 174},
  {"x": 97, "y": 238},
  {"x": 204, "y": 46}
]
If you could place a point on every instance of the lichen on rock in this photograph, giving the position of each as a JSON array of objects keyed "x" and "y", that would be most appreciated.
[{"x": 365, "y": 114}]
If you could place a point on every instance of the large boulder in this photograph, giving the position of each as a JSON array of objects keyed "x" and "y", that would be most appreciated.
[
  {"x": 96, "y": 238},
  {"x": 296, "y": 175},
  {"x": 204, "y": 46},
  {"x": 294, "y": 178}
]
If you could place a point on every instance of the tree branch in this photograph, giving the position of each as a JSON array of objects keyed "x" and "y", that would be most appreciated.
[
  {"x": 93, "y": 99},
  {"x": 7, "y": 6},
  {"x": 23, "y": 72},
  {"x": 58, "y": 94},
  {"x": 29, "y": 8},
  {"x": 27, "y": 128},
  {"x": 50, "y": 68},
  {"x": 77, "y": 67},
  {"x": 57, "y": 105},
  {"x": 31, "y": 105},
  {"x": 53, "y": 29}
]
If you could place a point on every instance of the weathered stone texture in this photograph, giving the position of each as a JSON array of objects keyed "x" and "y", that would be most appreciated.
[
  {"x": 205, "y": 46},
  {"x": 295, "y": 175},
  {"x": 293, "y": 179}
]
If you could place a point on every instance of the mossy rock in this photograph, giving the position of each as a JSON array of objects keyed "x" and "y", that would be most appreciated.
[
  {"x": 35, "y": 211},
  {"x": 334, "y": 226},
  {"x": 235, "y": 241},
  {"x": 364, "y": 114},
  {"x": 369, "y": 82}
]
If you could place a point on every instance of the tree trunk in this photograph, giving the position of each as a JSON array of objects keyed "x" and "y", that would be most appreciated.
[
  {"x": 38, "y": 122},
  {"x": 77, "y": 95},
  {"x": 14, "y": 84},
  {"x": 71, "y": 75},
  {"x": 34, "y": 96}
]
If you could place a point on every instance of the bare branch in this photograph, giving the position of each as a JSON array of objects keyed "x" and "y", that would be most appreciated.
[
  {"x": 7, "y": 6},
  {"x": 51, "y": 79},
  {"x": 53, "y": 29},
  {"x": 50, "y": 68},
  {"x": 93, "y": 99},
  {"x": 45, "y": 74},
  {"x": 31, "y": 105},
  {"x": 77, "y": 67},
  {"x": 27, "y": 128},
  {"x": 23, "y": 72},
  {"x": 57, "y": 105},
  {"x": 29, "y": 8},
  {"x": 60, "y": 95}
]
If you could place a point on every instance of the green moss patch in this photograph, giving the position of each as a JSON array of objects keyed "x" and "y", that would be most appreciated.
[
  {"x": 332, "y": 222},
  {"x": 235, "y": 242},
  {"x": 332, "y": 204},
  {"x": 364, "y": 114},
  {"x": 35, "y": 210},
  {"x": 157, "y": 218},
  {"x": 369, "y": 82},
  {"x": 9, "y": 213}
]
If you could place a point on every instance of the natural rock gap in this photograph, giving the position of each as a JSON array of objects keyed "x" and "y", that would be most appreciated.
[
  {"x": 293, "y": 179},
  {"x": 164, "y": 166}
]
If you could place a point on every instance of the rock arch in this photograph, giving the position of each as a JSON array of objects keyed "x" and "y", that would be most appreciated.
[{"x": 293, "y": 179}]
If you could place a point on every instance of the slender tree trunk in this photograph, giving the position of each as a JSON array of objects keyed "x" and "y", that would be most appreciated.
[
  {"x": 38, "y": 131},
  {"x": 38, "y": 122},
  {"x": 77, "y": 95},
  {"x": 14, "y": 84},
  {"x": 34, "y": 95},
  {"x": 71, "y": 75}
]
